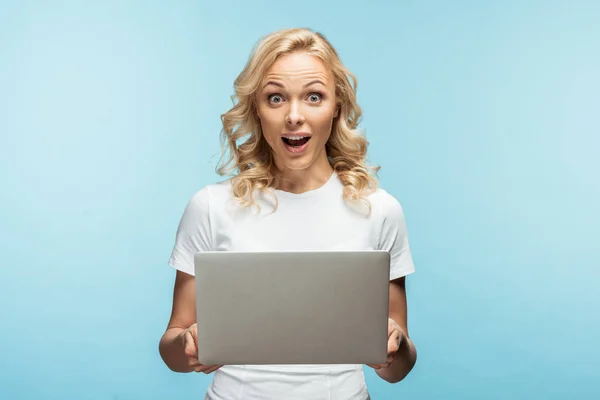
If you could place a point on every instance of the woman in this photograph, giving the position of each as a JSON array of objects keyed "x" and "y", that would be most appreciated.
[{"x": 300, "y": 183}]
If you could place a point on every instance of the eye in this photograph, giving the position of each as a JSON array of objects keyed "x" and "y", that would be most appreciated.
[
  {"x": 275, "y": 98},
  {"x": 315, "y": 97}
]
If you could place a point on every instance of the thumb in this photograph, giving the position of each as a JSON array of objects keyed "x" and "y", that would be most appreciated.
[
  {"x": 193, "y": 329},
  {"x": 393, "y": 326},
  {"x": 394, "y": 342},
  {"x": 190, "y": 340}
]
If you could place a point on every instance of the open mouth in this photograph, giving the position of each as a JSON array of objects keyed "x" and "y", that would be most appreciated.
[{"x": 296, "y": 141}]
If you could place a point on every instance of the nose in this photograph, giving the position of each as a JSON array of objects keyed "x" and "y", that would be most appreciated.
[{"x": 294, "y": 116}]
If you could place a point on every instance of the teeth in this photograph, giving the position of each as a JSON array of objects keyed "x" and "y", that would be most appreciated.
[{"x": 295, "y": 137}]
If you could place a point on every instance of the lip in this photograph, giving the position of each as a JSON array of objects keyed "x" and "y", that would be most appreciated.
[{"x": 292, "y": 134}]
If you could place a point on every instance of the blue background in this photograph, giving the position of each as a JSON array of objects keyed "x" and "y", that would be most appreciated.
[{"x": 484, "y": 116}]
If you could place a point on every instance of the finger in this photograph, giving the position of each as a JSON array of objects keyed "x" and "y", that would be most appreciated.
[
  {"x": 393, "y": 325},
  {"x": 393, "y": 342},
  {"x": 207, "y": 369},
  {"x": 193, "y": 329},
  {"x": 199, "y": 367},
  {"x": 395, "y": 331},
  {"x": 190, "y": 346},
  {"x": 212, "y": 369},
  {"x": 390, "y": 358}
]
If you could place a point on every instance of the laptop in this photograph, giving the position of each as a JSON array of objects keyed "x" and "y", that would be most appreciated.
[{"x": 311, "y": 307}]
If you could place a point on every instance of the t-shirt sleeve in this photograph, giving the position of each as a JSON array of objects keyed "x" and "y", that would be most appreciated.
[
  {"x": 193, "y": 233},
  {"x": 394, "y": 239}
]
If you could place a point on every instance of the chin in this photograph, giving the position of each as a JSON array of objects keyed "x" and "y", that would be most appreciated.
[{"x": 298, "y": 164}]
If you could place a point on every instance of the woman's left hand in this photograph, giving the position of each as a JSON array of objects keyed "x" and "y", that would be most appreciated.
[{"x": 395, "y": 338}]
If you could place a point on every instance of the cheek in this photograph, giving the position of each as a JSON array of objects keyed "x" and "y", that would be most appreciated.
[
  {"x": 269, "y": 131},
  {"x": 271, "y": 141},
  {"x": 324, "y": 123}
]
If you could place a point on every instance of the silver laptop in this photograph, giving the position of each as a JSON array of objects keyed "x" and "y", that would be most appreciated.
[{"x": 292, "y": 307}]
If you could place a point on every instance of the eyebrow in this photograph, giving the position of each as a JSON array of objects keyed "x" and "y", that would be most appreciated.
[{"x": 316, "y": 81}]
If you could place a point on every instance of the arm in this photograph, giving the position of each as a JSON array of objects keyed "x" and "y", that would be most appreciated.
[
  {"x": 183, "y": 315},
  {"x": 406, "y": 356}
]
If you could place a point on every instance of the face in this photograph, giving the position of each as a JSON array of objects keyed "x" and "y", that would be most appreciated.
[{"x": 296, "y": 106}]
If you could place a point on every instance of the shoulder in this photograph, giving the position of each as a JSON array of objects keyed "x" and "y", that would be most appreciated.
[
  {"x": 385, "y": 205},
  {"x": 212, "y": 193}
]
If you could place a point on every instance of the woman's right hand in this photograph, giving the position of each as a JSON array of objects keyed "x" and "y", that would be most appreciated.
[{"x": 189, "y": 341}]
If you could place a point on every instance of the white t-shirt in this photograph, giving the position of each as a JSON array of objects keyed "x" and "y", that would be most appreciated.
[{"x": 319, "y": 219}]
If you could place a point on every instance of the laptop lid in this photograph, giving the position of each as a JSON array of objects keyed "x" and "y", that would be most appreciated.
[{"x": 292, "y": 307}]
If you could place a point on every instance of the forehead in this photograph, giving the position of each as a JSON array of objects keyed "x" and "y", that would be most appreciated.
[{"x": 298, "y": 66}]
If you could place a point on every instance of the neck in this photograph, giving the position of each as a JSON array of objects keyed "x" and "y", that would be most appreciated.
[{"x": 303, "y": 180}]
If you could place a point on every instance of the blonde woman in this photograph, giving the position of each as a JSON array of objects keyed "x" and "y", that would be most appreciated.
[{"x": 300, "y": 182}]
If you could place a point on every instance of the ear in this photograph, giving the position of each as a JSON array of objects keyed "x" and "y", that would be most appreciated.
[{"x": 337, "y": 112}]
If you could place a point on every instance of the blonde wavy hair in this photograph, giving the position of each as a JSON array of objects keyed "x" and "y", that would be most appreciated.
[{"x": 252, "y": 162}]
